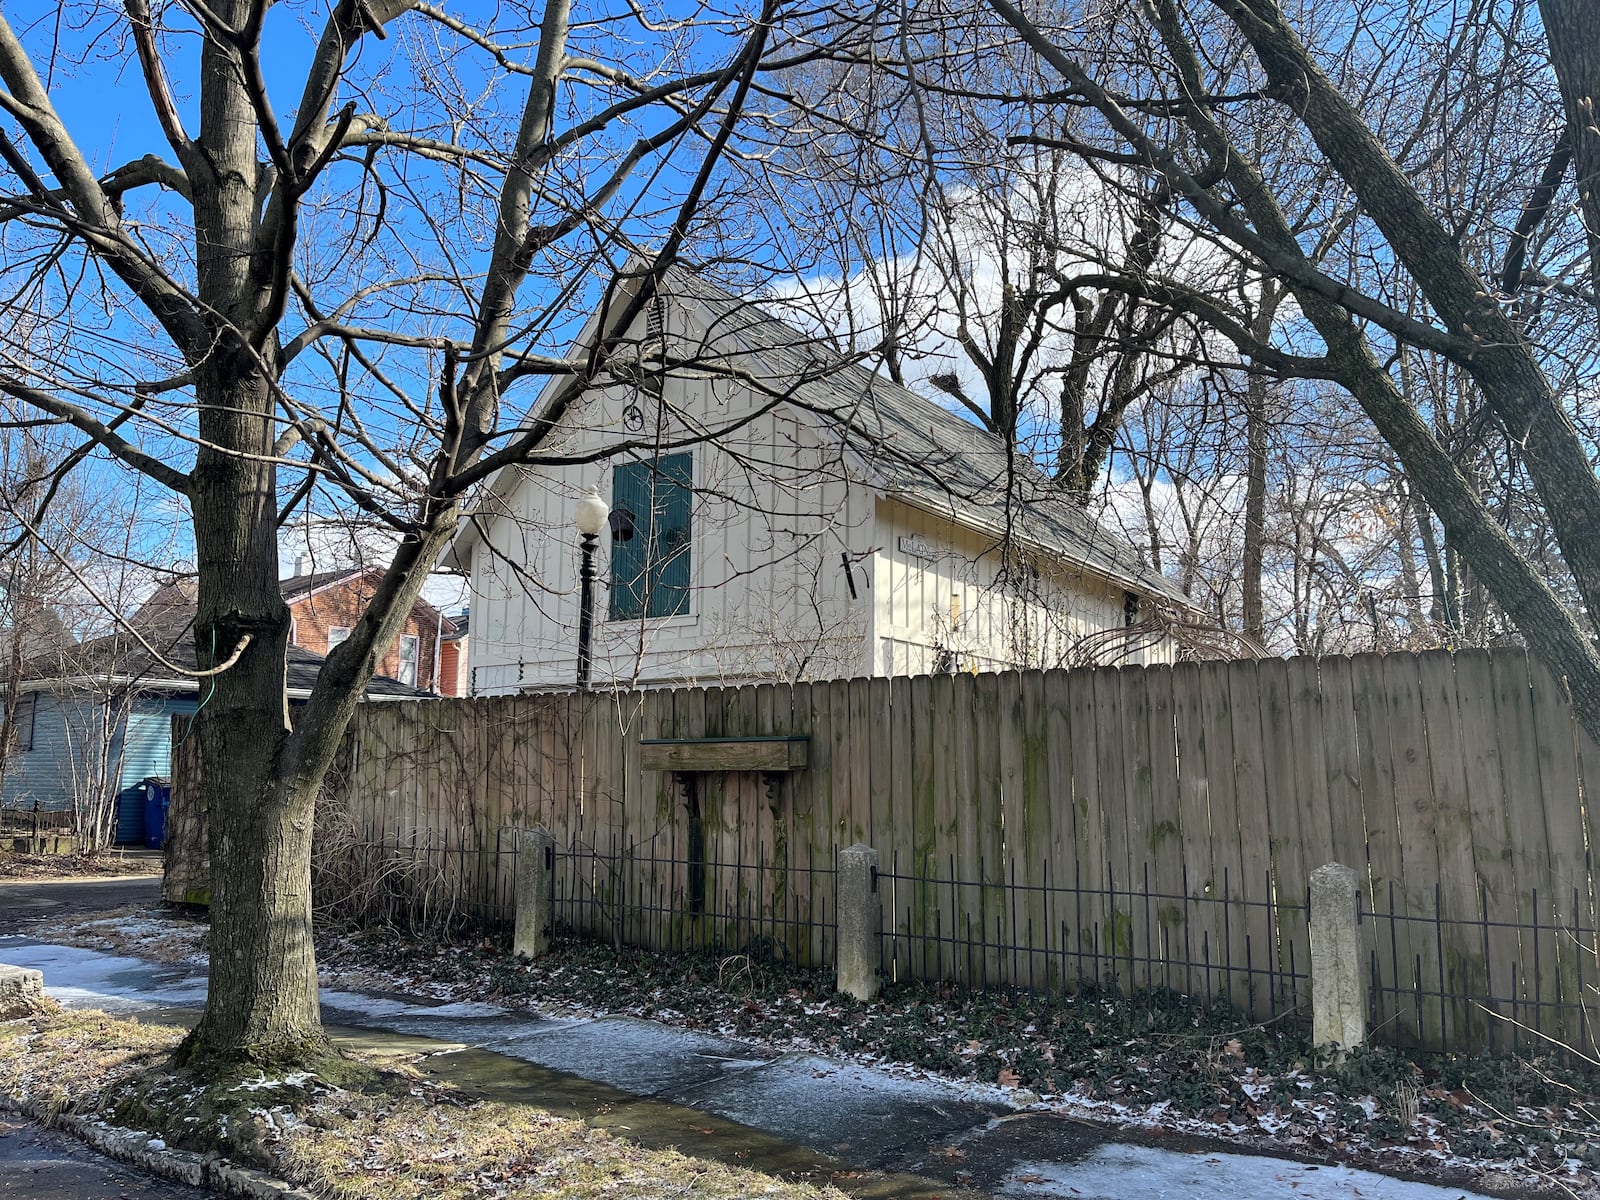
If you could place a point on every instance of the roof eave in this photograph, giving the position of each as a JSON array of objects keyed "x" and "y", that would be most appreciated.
[
  {"x": 169, "y": 685},
  {"x": 960, "y": 516}
]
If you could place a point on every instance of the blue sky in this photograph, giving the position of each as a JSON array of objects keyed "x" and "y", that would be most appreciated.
[{"x": 99, "y": 92}]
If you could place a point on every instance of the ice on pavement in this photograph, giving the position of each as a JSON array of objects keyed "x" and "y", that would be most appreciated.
[
  {"x": 80, "y": 978},
  {"x": 1108, "y": 1172},
  {"x": 84, "y": 978}
]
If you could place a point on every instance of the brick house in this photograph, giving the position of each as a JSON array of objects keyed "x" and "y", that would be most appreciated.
[
  {"x": 325, "y": 606},
  {"x": 454, "y": 670}
]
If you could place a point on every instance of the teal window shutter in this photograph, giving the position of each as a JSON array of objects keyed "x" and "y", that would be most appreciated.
[
  {"x": 630, "y": 494},
  {"x": 650, "y": 572},
  {"x": 670, "y": 549}
]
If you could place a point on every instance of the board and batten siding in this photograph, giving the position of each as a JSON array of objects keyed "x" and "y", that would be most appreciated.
[
  {"x": 941, "y": 594},
  {"x": 785, "y": 520},
  {"x": 774, "y": 515}
]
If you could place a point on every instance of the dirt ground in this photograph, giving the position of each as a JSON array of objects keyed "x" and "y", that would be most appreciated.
[{"x": 108, "y": 863}]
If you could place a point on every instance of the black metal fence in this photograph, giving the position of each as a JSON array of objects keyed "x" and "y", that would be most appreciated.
[
  {"x": 424, "y": 879},
  {"x": 638, "y": 896},
  {"x": 1532, "y": 988},
  {"x": 1095, "y": 929},
  {"x": 33, "y": 821}
]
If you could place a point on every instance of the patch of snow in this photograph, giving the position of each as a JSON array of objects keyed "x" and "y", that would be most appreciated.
[
  {"x": 128, "y": 926},
  {"x": 293, "y": 1079},
  {"x": 365, "y": 1006},
  {"x": 79, "y": 978},
  {"x": 461, "y": 1008},
  {"x": 1252, "y": 1086},
  {"x": 1119, "y": 1170}
]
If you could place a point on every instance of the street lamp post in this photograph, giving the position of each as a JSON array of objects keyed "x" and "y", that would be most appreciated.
[{"x": 590, "y": 518}]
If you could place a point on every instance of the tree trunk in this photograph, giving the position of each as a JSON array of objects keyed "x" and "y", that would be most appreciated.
[
  {"x": 1410, "y": 577},
  {"x": 262, "y": 1001},
  {"x": 262, "y": 1004},
  {"x": 1255, "y": 491},
  {"x": 13, "y": 695},
  {"x": 1255, "y": 506},
  {"x": 1442, "y": 611},
  {"x": 1572, "y": 29},
  {"x": 1502, "y": 364}
]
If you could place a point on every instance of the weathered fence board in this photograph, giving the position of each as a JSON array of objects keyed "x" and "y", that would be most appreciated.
[{"x": 1143, "y": 826}]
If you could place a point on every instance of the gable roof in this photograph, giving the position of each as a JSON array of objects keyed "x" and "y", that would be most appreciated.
[
  {"x": 166, "y": 621},
  {"x": 913, "y": 449},
  {"x": 298, "y": 587},
  {"x": 40, "y": 630},
  {"x": 923, "y": 454}
]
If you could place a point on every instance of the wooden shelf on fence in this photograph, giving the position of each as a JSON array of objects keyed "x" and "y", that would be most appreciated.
[{"x": 770, "y": 754}]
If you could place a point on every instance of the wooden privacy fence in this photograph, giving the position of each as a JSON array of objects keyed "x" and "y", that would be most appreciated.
[{"x": 1152, "y": 826}]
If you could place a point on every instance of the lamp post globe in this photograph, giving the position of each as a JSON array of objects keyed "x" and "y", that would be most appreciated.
[{"x": 591, "y": 513}]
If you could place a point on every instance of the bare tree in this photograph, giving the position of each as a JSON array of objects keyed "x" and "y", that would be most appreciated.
[
  {"x": 33, "y": 578},
  {"x": 961, "y": 260},
  {"x": 1177, "y": 111},
  {"x": 335, "y": 309}
]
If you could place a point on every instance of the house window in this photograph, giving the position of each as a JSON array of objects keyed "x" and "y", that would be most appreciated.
[
  {"x": 407, "y": 673},
  {"x": 1130, "y": 608},
  {"x": 22, "y": 727},
  {"x": 651, "y": 504},
  {"x": 336, "y": 634}
]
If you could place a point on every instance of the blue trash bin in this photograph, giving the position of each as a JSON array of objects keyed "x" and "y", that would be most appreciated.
[{"x": 157, "y": 796}]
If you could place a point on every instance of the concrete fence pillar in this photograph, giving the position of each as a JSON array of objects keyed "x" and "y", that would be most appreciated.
[
  {"x": 21, "y": 991},
  {"x": 860, "y": 921},
  {"x": 1338, "y": 967},
  {"x": 536, "y": 893}
]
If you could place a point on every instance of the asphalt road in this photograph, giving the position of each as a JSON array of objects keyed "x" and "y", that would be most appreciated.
[
  {"x": 38, "y": 1164},
  {"x": 25, "y": 901}
]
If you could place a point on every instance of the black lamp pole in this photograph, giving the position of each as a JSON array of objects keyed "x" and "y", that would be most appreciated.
[{"x": 587, "y": 543}]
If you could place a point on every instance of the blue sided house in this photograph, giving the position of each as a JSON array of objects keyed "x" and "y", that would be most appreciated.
[
  {"x": 90, "y": 747},
  {"x": 94, "y": 721}
]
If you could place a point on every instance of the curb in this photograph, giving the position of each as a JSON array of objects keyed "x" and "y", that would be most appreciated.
[{"x": 179, "y": 1166}]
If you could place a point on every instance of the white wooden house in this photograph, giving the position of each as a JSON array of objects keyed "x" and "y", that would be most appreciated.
[{"x": 791, "y": 516}]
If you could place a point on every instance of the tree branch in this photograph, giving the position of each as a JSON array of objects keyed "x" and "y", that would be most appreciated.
[
  {"x": 155, "y": 78},
  {"x": 102, "y": 433}
]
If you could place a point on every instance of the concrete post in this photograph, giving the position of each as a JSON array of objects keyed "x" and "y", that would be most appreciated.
[
  {"x": 860, "y": 920},
  {"x": 1338, "y": 966},
  {"x": 21, "y": 991},
  {"x": 536, "y": 893}
]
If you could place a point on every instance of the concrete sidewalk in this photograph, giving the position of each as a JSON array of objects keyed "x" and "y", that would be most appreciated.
[{"x": 871, "y": 1131}]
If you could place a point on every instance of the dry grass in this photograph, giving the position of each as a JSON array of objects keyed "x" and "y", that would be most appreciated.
[
  {"x": 423, "y": 1150},
  {"x": 56, "y": 1057},
  {"x": 377, "y": 1131},
  {"x": 132, "y": 931},
  {"x": 75, "y": 866}
]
